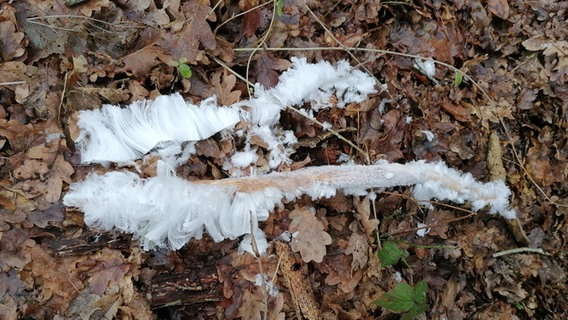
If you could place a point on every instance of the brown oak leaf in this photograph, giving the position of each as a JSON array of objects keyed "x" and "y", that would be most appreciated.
[
  {"x": 309, "y": 237},
  {"x": 224, "y": 84},
  {"x": 357, "y": 247},
  {"x": 195, "y": 31}
]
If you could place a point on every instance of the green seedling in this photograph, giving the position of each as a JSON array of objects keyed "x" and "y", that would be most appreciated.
[
  {"x": 279, "y": 7},
  {"x": 183, "y": 68},
  {"x": 458, "y": 78}
]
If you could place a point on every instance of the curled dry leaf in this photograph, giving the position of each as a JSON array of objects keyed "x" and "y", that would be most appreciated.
[{"x": 309, "y": 237}]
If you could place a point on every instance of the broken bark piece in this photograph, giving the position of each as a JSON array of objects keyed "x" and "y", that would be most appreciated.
[
  {"x": 295, "y": 272},
  {"x": 193, "y": 287}
]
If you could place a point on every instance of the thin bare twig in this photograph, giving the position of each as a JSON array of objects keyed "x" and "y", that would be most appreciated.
[
  {"x": 520, "y": 250},
  {"x": 12, "y": 83}
]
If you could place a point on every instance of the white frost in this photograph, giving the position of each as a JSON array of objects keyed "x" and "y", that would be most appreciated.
[
  {"x": 120, "y": 134},
  {"x": 310, "y": 82},
  {"x": 168, "y": 211}
]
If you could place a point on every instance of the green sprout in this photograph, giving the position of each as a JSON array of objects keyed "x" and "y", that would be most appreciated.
[
  {"x": 183, "y": 68},
  {"x": 279, "y": 7},
  {"x": 458, "y": 78}
]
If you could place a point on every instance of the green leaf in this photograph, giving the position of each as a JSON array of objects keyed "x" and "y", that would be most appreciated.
[
  {"x": 399, "y": 299},
  {"x": 458, "y": 78},
  {"x": 413, "y": 312},
  {"x": 404, "y": 298},
  {"x": 391, "y": 253},
  {"x": 279, "y": 7},
  {"x": 420, "y": 292},
  {"x": 184, "y": 70},
  {"x": 182, "y": 60}
]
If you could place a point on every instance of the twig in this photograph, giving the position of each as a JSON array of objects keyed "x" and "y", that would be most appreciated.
[
  {"x": 61, "y": 100},
  {"x": 12, "y": 83},
  {"x": 520, "y": 250}
]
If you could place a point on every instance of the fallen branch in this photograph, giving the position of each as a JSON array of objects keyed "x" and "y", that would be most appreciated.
[{"x": 169, "y": 211}]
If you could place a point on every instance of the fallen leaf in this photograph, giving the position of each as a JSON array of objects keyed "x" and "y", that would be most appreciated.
[
  {"x": 195, "y": 31},
  {"x": 549, "y": 47},
  {"x": 309, "y": 237},
  {"x": 57, "y": 279},
  {"x": 500, "y": 8},
  {"x": 11, "y": 41},
  {"x": 60, "y": 172},
  {"x": 224, "y": 84},
  {"x": 357, "y": 247},
  {"x": 252, "y": 305},
  {"x": 141, "y": 61},
  {"x": 251, "y": 19},
  {"x": 460, "y": 113},
  {"x": 363, "y": 215},
  {"x": 106, "y": 276},
  {"x": 439, "y": 219},
  {"x": 267, "y": 69}
]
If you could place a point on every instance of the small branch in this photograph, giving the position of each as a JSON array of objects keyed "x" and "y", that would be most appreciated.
[
  {"x": 520, "y": 250},
  {"x": 12, "y": 83}
]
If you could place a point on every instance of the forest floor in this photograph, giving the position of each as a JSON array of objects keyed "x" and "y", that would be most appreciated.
[{"x": 513, "y": 85}]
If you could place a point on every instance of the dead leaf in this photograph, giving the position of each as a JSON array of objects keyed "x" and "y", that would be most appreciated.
[
  {"x": 251, "y": 20},
  {"x": 11, "y": 41},
  {"x": 58, "y": 279},
  {"x": 106, "y": 276},
  {"x": 195, "y": 31},
  {"x": 43, "y": 218},
  {"x": 252, "y": 305},
  {"x": 363, "y": 215},
  {"x": 500, "y": 8},
  {"x": 460, "y": 113},
  {"x": 358, "y": 247},
  {"x": 8, "y": 308},
  {"x": 224, "y": 84},
  {"x": 60, "y": 172},
  {"x": 494, "y": 162},
  {"x": 44, "y": 171},
  {"x": 141, "y": 61},
  {"x": 268, "y": 67},
  {"x": 309, "y": 237},
  {"x": 548, "y": 46},
  {"x": 438, "y": 219}
]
